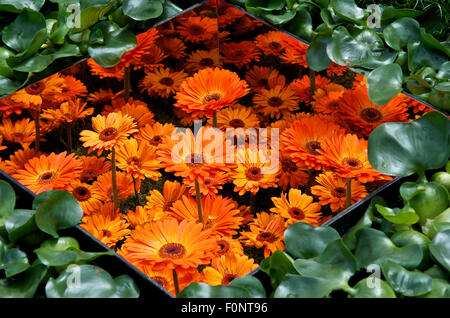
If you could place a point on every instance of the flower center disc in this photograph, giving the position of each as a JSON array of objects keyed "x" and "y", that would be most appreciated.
[
  {"x": 89, "y": 175},
  {"x": 108, "y": 134},
  {"x": 167, "y": 81},
  {"x": 135, "y": 161},
  {"x": 82, "y": 193},
  {"x": 228, "y": 278},
  {"x": 339, "y": 192},
  {"x": 46, "y": 177},
  {"x": 371, "y": 115},
  {"x": 312, "y": 147},
  {"x": 211, "y": 97},
  {"x": 296, "y": 213},
  {"x": 237, "y": 123},
  {"x": 352, "y": 163},
  {"x": 35, "y": 89},
  {"x": 206, "y": 62},
  {"x": 253, "y": 174},
  {"x": 172, "y": 250},
  {"x": 275, "y": 101},
  {"x": 288, "y": 165},
  {"x": 266, "y": 237},
  {"x": 224, "y": 246},
  {"x": 275, "y": 46},
  {"x": 156, "y": 140},
  {"x": 196, "y": 30}
]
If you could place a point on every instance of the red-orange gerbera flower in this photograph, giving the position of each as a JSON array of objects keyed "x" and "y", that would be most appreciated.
[
  {"x": 144, "y": 41},
  {"x": 297, "y": 207},
  {"x": 156, "y": 133},
  {"x": 358, "y": 81},
  {"x": 44, "y": 90},
  {"x": 92, "y": 167},
  {"x": 8, "y": 106},
  {"x": 227, "y": 268},
  {"x": 68, "y": 112},
  {"x": 237, "y": 116},
  {"x": 328, "y": 100},
  {"x": 172, "y": 47},
  {"x": 118, "y": 102},
  {"x": 276, "y": 101},
  {"x": 263, "y": 77},
  {"x": 116, "y": 71},
  {"x": 302, "y": 87},
  {"x": 162, "y": 82},
  {"x": 210, "y": 90},
  {"x": 332, "y": 190},
  {"x": 229, "y": 246},
  {"x": 197, "y": 29},
  {"x": 52, "y": 172},
  {"x": 201, "y": 59},
  {"x": 336, "y": 70},
  {"x": 290, "y": 174},
  {"x": 20, "y": 131},
  {"x": 295, "y": 51},
  {"x": 18, "y": 160},
  {"x": 109, "y": 132},
  {"x": 109, "y": 230},
  {"x": 141, "y": 215},
  {"x": 210, "y": 185},
  {"x": 72, "y": 88},
  {"x": 151, "y": 59},
  {"x": 363, "y": 116},
  {"x": 303, "y": 140},
  {"x": 347, "y": 154},
  {"x": 167, "y": 244},
  {"x": 139, "y": 160},
  {"x": 124, "y": 186},
  {"x": 220, "y": 215},
  {"x": 239, "y": 53},
  {"x": 161, "y": 203},
  {"x": 265, "y": 231},
  {"x": 271, "y": 42},
  {"x": 102, "y": 96},
  {"x": 87, "y": 196}
]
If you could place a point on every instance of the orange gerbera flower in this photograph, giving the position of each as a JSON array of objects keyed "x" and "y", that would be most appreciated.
[
  {"x": 8, "y": 106},
  {"x": 44, "y": 90},
  {"x": 161, "y": 203},
  {"x": 276, "y": 101},
  {"x": 172, "y": 47},
  {"x": 141, "y": 114},
  {"x": 297, "y": 207},
  {"x": 287, "y": 120},
  {"x": 228, "y": 246},
  {"x": 20, "y": 131},
  {"x": 210, "y": 185},
  {"x": 239, "y": 53},
  {"x": 72, "y": 88},
  {"x": 347, "y": 154},
  {"x": 332, "y": 190},
  {"x": 1, "y": 141},
  {"x": 101, "y": 96},
  {"x": 109, "y": 230},
  {"x": 155, "y": 134},
  {"x": 227, "y": 268},
  {"x": 266, "y": 231},
  {"x": 68, "y": 112},
  {"x": 290, "y": 174},
  {"x": 363, "y": 116},
  {"x": 52, "y": 172},
  {"x": 201, "y": 59},
  {"x": 103, "y": 185},
  {"x": 18, "y": 160},
  {"x": 303, "y": 140},
  {"x": 327, "y": 100},
  {"x": 109, "y": 132},
  {"x": 116, "y": 71},
  {"x": 302, "y": 87},
  {"x": 144, "y": 41},
  {"x": 220, "y": 215},
  {"x": 228, "y": 15},
  {"x": 197, "y": 29},
  {"x": 254, "y": 170},
  {"x": 118, "y": 102},
  {"x": 271, "y": 42},
  {"x": 262, "y": 77},
  {"x": 295, "y": 51},
  {"x": 336, "y": 70},
  {"x": 162, "y": 82},
  {"x": 416, "y": 106},
  {"x": 139, "y": 160},
  {"x": 237, "y": 116},
  {"x": 87, "y": 196},
  {"x": 210, "y": 90},
  {"x": 359, "y": 80},
  {"x": 167, "y": 244},
  {"x": 140, "y": 216},
  {"x": 151, "y": 59},
  {"x": 92, "y": 167}
]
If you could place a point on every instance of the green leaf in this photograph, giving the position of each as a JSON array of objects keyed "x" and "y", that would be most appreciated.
[
  {"x": 91, "y": 12},
  {"x": 408, "y": 237},
  {"x": 84, "y": 281},
  {"x": 295, "y": 286},
  {"x": 431, "y": 42},
  {"x": 251, "y": 284},
  {"x": 125, "y": 287},
  {"x": 420, "y": 55},
  {"x": 277, "y": 266},
  {"x": 7, "y": 200},
  {"x": 373, "y": 287},
  {"x": 337, "y": 254},
  {"x": 441, "y": 289},
  {"x": 404, "y": 216},
  {"x": 344, "y": 50},
  {"x": 279, "y": 19},
  {"x": 374, "y": 247},
  {"x": 23, "y": 285},
  {"x": 3, "y": 249},
  {"x": 306, "y": 241},
  {"x": 5, "y": 69},
  {"x": 436, "y": 271},
  {"x": 15, "y": 262},
  {"x": 9, "y": 86},
  {"x": 39, "y": 39},
  {"x": 117, "y": 42},
  {"x": 142, "y": 9},
  {"x": 400, "y": 32},
  {"x": 430, "y": 228},
  {"x": 401, "y": 149},
  {"x": 406, "y": 282},
  {"x": 316, "y": 55},
  {"x": 390, "y": 12},
  {"x": 20, "y": 34},
  {"x": 59, "y": 211},
  {"x": 384, "y": 82},
  {"x": 301, "y": 25},
  {"x": 444, "y": 71},
  {"x": 440, "y": 100},
  {"x": 17, "y": 6},
  {"x": 348, "y": 10},
  {"x": 20, "y": 223},
  {"x": 265, "y": 5},
  {"x": 440, "y": 248}
]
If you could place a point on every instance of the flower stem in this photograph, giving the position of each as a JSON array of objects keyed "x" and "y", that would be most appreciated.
[
  {"x": 215, "y": 119},
  {"x": 312, "y": 81},
  {"x": 69, "y": 137},
  {"x": 126, "y": 84},
  {"x": 135, "y": 190},
  {"x": 175, "y": 282},
  {"x": 37, "y": 141},
  {"x": 114, "y": 179},
  {"x": 198, "y": 196},
  {"x": 348, "y": 198}
]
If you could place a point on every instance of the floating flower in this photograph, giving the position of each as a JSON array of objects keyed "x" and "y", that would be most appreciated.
[
  {"x": 198, "y": 29},
  {"x": 117, "y": 71},
  {"x": 210, "y": 90},
  {"x": 228, "y": 246},
  {"x": 141, "y": 115},
  {"x": 52, "y": 172},
  {"x": 239, "y": 53},
  {"x": 73, "y": 88},
  {"x": 263, "y": 77},
  {"x": 332, "y": 190},
  {"x": 109, "y": 230},
  {"x": 336, "y": 70},
  {"x": 101, "y": 96},
  {"x": 302, "y": 87},
  {"x": 161, "y": 203},
  {"x": 276, "y": 101},
  {"x": 227, "y": 268},
  {"x": 271, "y": 42},
  {"x": 20, "y": 131},
  {"x": 125, "y": 187},
  {"x": 92, "y": 167},
  {"x": 162, "y": 82},
  {"x": 44, "y": 90},
  {"x": 297, "y": 207},
  {"x": 87, "y": 196}
]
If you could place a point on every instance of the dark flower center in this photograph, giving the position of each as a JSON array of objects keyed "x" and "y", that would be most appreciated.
[
  {"x": 237, "y": 123},
  {"x": 210, "y": 97},
  {"x": 18, "y": 135},
  {"x": 196, "y": 30},
  {"x": 167, "y": 206},
  {"x": 266, "y": 237},
  {"x": 156, "y": 140},
  {"x": 89, "y": 175},
  {"x": 224, "y": 246},
  {"x": 206, "y": 62},
  {"x": 275, "y": 101},
  {"x": 339, "y": 192},
  {"x": 46, "y": 177},
  {"x": 172, "y": 250},
  {"x": 352, "y": 163},
  {"x": 135, "y": 161},
  {"x": 253, "y": 174},
  {"x": 371, "y": 115},
  {"x": 195, "y": 160},
  {"x": 161, "y": 280},
  {"x": 228, "y": 278},
  {"x": 288, "y": 165},
  {"x": 312, "y": 147},
  {"x": 108, "y": 134},
  {"x": 263, "y": 82},
  {"x": 106, "y": 232},
  {"x": 275, "y": 46},
  {"x": 167, "y": 81},
  {"x": 35, "y": 89},
  {"x": 296, "y": 213},
  {"x": 82, "y": 193},
  {"x": 238, "y": 54}
]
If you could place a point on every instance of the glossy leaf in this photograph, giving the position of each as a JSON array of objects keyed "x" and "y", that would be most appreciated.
[
  {"x": 7, "y": 200},
  {"x": 430, "y": 228},
  {"x": 440, "y": 248},
  {"x": 384, "y": 82},
  {"x": 15, "y": 262},
  {"x": 301, "y": 25},
  {"x": 279, "y": 19},
  {"x": 18, "y": 5},
  {"x": 406, "y": 282},
  {"x": 390, "y": 12},
  {"x": 373, "y": 287},
  {"x": 3, "y": 249},
  {"x": 316, "y": 55},
  {"x": 429, "y": 201},
  {"x": 400, "y": 32},
  {"x": 142, "y": 9},
  {"x": 5, "y": 69},
  {"x": 20, "y": 223},
  {"x": 266, "y": 5},
  {"x": 436, "y": 271},
  {"x": 337, "y": 254},
  {"x": 444, "y": 71},
  {"x": 39, "y": 39},
  {"x": 408, "y": 237},
  {"x": 91, "y": 12},
  {"x": 404, "y": 216},
  {"x": 401, "y": 149},
  {"x": 348, "y": 10},
  {"x": 23, "y": 285},
  {"x": 277, "y": 266},
  {"x": 9, "y": 86},
  {"x": 295, "y": 286},
  {"x": 59, "y": 211},
  {"x": 343, "y": 49},
  {"x": 125, "y": 287},
  {"x": 419, "y": 55},
  {"x": 441, "y": 289},
  {"x": 251, "y": 284},
  {"x": 306, "y": 241}
]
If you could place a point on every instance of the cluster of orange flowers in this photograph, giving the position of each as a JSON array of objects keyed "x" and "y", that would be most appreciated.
[{"x": 323, "y": 145}]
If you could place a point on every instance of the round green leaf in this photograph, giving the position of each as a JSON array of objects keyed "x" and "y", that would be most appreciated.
[
  {"x": 444, "y": 71},
  {"x": 404, "y": 216},
  {"x": 59, "y": 211},
  {"x": 401, "y": 149},
  {"x": 384, "y": 82},
  {"x": 348, "y": 10},
  {"x": 7, "y": 200},
  {"x": 441, "y": 289},
  {"x": 23, "y": 285},
  {"x": 277, "y": 266},
  {"x": 18, "y": 5},
  {"x": 15, "y": 262},
  {"x": 390, "y": 12},
  {"x": 125, "y": 287},
  {"x": 251, "y": 284},
  {"x": 406, "y": 282},
  {"x": 279, "y": 19},
  {"x": 440, "y": 248},
  {"x": 400, "y": 32},
  {"x": 408, "y": 237},
  {"x": 344, "y": 50},
  {"x": 420, "y": 55},
  {"x": 337, "y": 254},
  {"x": 373, "y": 287},
  {"x": 5, "y": 69},
  {"x": 295, "y": 286},
  {"x": 316, "y": 55},
  {"x": 305, "y": 241},
  {"x": 301, "y": 25},
  {"x": 142, "y": 9},
  {"x": 436, "y": 271},
  {"x": 91, "y": 12},
  {"x": 20, "y": 223},
  {"x": 265, "y": 5}
]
